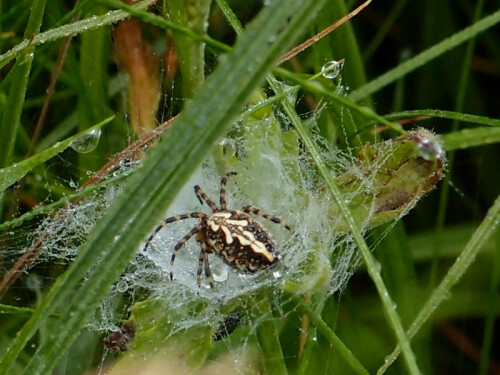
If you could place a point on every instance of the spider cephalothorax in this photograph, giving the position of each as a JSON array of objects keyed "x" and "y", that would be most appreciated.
[{"x": 241, "y": 241}]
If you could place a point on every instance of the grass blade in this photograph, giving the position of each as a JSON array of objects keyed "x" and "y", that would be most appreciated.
[
  {"x": 424, "y": 57},
  {"x": 462, "y": 263}
]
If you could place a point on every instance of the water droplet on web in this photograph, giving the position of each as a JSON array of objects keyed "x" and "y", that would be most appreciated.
[
  {"x": 220, "y": 273},
  {"x": 277, "y": 274},
  {"x": 332, "y": 69},
  {"x": 122, "y": 286},
  {"x": 87, "y": 142}
]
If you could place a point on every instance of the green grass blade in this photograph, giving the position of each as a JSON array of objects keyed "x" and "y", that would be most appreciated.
[
  {"x": 268, "y": 337},
  {"x": 424, "y": 57},
  {"x": 445, "y": 188},
  {"x": 151, "y": 190},
  {"x": 451, "y": 115},
  {"x": 191, "y": 52},
  {"x": 489, "y": 326},
  {"x": 312, "y": 86},
  {"x": 332, "y": 338},
  {"x": 71, "y": 29},
  {"x": 368, "y": 258},
  {"x": 165, "y": 24},
  {"x": 468, "y": 138},
  {"x": 11, "y": 118}
]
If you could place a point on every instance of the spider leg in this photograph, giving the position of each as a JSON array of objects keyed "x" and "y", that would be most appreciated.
[
  {"x": 274, "y": 219},
  {"x": 208, "y": 273},
  {"x": 203, "y": 197},
  {"x": 181, "y": 243},
  {"x": 172, "y": 219},
  {"x": 203, "y": 261},
  {"x": 223, "y": 190}
]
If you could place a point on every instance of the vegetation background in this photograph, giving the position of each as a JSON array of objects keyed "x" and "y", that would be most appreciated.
[{"x": 399, "y": 62}]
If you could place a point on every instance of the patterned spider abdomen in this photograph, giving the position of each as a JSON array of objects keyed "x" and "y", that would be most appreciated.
[{"x": 241, "y": 241}]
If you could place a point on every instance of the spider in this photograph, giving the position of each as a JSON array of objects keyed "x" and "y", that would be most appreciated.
[{"x": 235, "y": 236}]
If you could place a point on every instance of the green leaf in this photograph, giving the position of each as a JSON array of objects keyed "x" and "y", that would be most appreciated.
[{"x": 182, "y": 351}]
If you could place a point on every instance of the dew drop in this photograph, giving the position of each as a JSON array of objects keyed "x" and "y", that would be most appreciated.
[
  {"x": 87, "y": 142},
  {"x": 220, "y": 273},
  {"x": 429, "y": 150},
  {"x": 122, "y": 286},
  {"x": 332, "y": 69}
]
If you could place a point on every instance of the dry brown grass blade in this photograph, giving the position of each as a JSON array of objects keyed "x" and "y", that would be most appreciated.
[{"x": 309, "y": 42}]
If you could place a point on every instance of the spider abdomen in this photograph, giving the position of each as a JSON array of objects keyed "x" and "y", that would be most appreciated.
[{"x": 240, "y": 241}]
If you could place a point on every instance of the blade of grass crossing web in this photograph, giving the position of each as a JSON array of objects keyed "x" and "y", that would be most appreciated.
[
  {"x": 312, "y": 86},
  {"x": 369, "y": 260},
  {"x": 150, "y": 191},
  {"x": 266, "y": 332}
]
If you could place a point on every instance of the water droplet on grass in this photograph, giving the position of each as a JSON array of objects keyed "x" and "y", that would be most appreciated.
[
  {"x": 87, "y": 142},
  {"x": 332, "y": 69}
]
